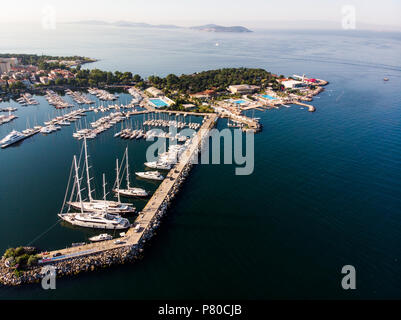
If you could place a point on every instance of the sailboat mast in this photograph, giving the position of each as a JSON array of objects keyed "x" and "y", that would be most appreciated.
[
  {"x": 104, "y": 187},
  {"x": 126, "y": 155},
  {"x": 117, "y": 181},
  {"x": 78, "y": 184},
  {"x": 88, "y": 180}
]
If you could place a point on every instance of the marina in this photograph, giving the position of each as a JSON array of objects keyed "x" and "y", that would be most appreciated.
[{"x": 231, "y": 231}]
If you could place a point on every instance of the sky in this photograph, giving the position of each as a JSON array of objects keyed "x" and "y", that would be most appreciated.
[{"x": 250, "y": 13}]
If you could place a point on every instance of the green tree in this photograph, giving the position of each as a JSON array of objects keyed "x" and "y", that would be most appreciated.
[{"x": 137, "y": 78}]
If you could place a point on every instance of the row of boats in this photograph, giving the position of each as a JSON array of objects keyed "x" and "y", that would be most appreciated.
[
  {"x": 99, "y": 126},
  {"x": 136, "y": 96},
  {"x": 102, "y": 94},
  {"x": 79, "y": 97},
  {"x": 50, "y": 126},
  {"x": 6, "y": 119},
  {"x": 111, "y": 107},
  {"x": 8, "y": 109},
  {"x": 101, "y": 213},
  {"x": 150, "y": 134},
  {"x": 152, "y": 121},
  {"x": 55, "y": 124},
  {"x": 27, "y": 99},
  {"x": 168, "y": 159},
  {"x": 55, "y": 100}
]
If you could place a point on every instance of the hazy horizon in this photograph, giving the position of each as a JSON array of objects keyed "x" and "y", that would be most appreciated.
[{"x": 253, "y": 14}]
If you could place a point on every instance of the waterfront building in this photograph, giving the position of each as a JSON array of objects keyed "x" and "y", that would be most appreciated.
[
  {"x": 189, "y": 106},
  {"x": 154, "y": 92},
  {"x": 293, "y": 84},
  {"x": 7, "y": 63},
  {"x": 243, "y": 89},
  {"x": 204, "y": 94}
]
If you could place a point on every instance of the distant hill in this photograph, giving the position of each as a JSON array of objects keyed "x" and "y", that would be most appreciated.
[
  {"x": 208, "y": 27},
  {"x": 216, "y": 28}
]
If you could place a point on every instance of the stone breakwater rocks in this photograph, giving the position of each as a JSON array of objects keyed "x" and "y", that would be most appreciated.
[{"x": 72, "y": 266}]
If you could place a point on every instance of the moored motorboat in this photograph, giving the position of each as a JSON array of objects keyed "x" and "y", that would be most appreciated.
[
  {"x": 151, "y": 175},
  {"x": 101, "y": 237}
]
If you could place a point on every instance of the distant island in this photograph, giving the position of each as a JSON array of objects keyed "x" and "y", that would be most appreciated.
[
  {"x": 216, "y": 28},
  {"x": 207, "y": 27}
]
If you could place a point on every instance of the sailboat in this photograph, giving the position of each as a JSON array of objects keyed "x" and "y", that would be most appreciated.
[
  {"x": 129, "y": 191},
  {"x": 98, "y": 220},
  {"x": 93, "y": 205}
]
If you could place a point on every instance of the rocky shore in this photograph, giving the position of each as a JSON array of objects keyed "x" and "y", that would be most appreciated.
[{"x": 70, "y": 267}]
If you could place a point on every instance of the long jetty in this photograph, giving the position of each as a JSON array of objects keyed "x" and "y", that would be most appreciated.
[{"x": 147, "y": 217}]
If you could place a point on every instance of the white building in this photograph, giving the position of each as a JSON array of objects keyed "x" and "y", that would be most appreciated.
[
  {"x": 243, "y": 88},
  {"x": 7, "y": 63},
  {"x": 293, "y": 84},
  {"x": 154, "y": 92}
]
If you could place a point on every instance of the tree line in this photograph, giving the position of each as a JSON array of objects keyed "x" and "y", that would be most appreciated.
[{"x": 218, "y": 79}]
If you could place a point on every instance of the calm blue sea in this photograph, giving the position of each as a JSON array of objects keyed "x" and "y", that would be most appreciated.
[{"x": 325, "y": 192}]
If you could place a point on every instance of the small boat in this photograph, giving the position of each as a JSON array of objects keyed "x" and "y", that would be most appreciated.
[
  {"x": 46, "y": 130},
  {"x": 101, "y": 237},
  {"x": 386, "y": 79},
  {"x": 158, "y": 165},
  {"x": 151, "y": 175},
  {"x": 137, "y": 228},
  {"x": 78, "y": 244},
  {"x": 129, "y": 191}
]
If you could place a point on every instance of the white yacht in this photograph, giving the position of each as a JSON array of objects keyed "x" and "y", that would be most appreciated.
[
  {"x": 151, "y": 175},
  {"x": 93, "y": 205},
  {"x": 101, "y": 237},
  {"x": 11, "y": 138},
  {"x": 96, "y": 220},
  {"x": 111, "y": 207},
  {"x": 129, "y": 191},
  {"x": 46, "y": 130},
  {"x": 158, "y": 165}
]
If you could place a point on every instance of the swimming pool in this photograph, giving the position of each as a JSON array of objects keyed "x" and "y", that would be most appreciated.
[
  {"x": 158, "y": 103},
  {"x": 239, "y": 101},
  {"x": 268, "y": 97}
]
